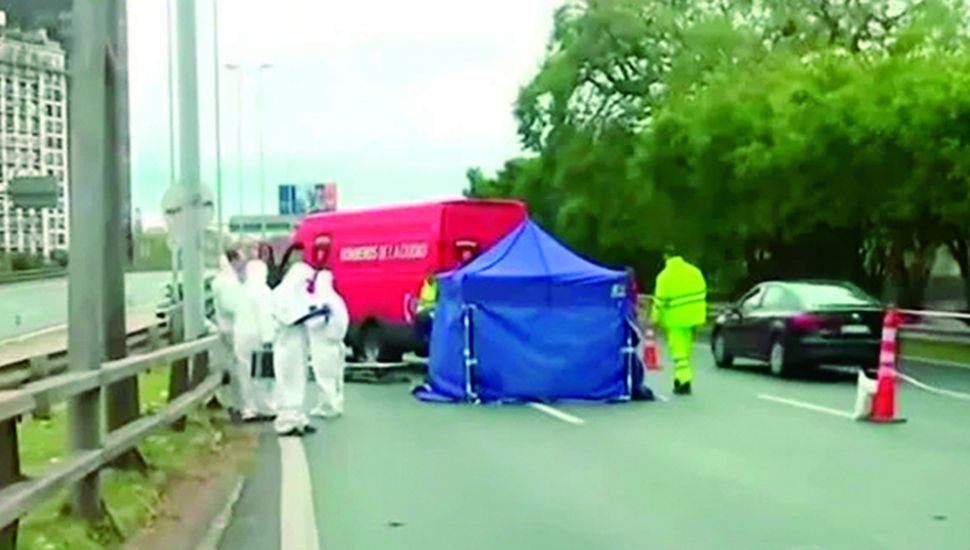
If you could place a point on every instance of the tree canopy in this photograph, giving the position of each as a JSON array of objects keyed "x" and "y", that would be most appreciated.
[{"x": 772, "y": 138}]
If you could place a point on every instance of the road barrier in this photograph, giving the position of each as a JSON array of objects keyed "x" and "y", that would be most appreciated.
[
  {"x": 32, "y": 369},
  {"x": 31, "y": 275},
  {"x": 918, "y": 325},
  {"x": 18, "y": 494}
]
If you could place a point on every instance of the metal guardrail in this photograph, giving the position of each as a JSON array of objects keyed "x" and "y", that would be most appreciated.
[
  {"x": 921, "y": 330},
  {"x": 925, "y": 330},
  {"x": 18, "y": 494},
  {"x": 31, "y": 275},
  {"x": 13, "y": 375}
]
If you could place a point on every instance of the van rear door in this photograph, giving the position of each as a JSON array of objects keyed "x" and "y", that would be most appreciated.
[{"x": 471, "y": 227}]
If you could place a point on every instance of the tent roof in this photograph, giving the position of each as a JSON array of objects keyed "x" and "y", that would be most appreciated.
[{"x": 528, "y": 252}]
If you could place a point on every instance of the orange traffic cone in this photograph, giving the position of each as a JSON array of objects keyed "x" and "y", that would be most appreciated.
[
  {"x": 884, "y": 399},
  {"x": 650, "y": 357}
]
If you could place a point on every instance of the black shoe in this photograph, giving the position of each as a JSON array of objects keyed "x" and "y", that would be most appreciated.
[
  {"x": 682, "y": 389},
  {"x": 309, "y": 429},
  {"x": 295, "y": 432}
]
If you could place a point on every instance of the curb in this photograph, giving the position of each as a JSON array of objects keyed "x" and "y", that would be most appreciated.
[{"x": 219, "y": 524}]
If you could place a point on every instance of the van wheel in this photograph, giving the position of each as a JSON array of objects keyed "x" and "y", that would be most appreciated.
[
  {"x": 373, "y": 348},
  {"x": 369, "y": 345}
]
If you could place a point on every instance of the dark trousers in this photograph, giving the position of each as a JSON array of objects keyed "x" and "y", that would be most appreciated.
[{"x": 422, "y": 327}]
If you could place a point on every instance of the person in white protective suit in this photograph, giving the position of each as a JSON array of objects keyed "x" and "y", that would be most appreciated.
[
  {"x": 291, "y": 303},
  {"x": 227, "y": 289},
  {"x": 253, "y": 334},
  {"x": 326, "y": 335},
  {"x": 312, "y": 322}
]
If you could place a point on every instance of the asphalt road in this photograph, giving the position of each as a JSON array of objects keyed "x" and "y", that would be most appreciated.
[
  {"x": 32, "y": 306},
  {"x": 748, "y": 461}
]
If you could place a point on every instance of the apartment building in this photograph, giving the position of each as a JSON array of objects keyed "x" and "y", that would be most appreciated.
[{"x": 33, "y": 137}]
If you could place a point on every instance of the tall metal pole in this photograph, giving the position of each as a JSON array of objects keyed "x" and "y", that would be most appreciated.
[
  {"x": 262, "y": 155},
  {"x": 172, "y": 179},
  {"x": 189, "y": 168},
  {"x": 239, "y": 135},
  {"x": 88, "y": 118},
  {"x": 220, "y": 239},
  {"x": 123, "y": 403}
]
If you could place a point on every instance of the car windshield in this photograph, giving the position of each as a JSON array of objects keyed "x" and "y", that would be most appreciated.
[{"x": 815, "y": 295}]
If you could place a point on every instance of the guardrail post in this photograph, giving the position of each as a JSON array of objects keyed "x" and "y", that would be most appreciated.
[
  {"x": 178, "y": 380},
  {"x": 40, "y": 368},
  {"x": 154, "y": 337},
  {"x": 9, "y": 474},
  {"x": 200, "y": 369}
]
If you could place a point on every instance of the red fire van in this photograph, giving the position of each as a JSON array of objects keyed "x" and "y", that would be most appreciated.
[{"x": 380, "y": 258}]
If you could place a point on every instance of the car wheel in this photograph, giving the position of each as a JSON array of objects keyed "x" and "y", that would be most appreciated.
[
  {"x": 722, "y": 357},
  {"x": 369, "y": 346},
  {"x": 778, "y": 360}
]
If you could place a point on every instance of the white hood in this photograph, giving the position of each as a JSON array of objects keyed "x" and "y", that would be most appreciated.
[
  {"x": 326, "y": 295},
  {"x": 256, "y": 274}
]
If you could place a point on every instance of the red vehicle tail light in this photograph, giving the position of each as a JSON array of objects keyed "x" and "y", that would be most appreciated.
[{"x": 807, "y": 322}]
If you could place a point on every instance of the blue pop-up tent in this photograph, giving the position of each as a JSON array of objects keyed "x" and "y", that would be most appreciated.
[{"x": 529, "y": 320}]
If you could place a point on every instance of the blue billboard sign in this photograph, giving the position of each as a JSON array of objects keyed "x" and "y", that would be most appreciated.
[{"x": 300, "y": 199}]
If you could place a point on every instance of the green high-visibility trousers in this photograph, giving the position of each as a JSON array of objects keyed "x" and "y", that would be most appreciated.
[{"x": 680, "y": 342}]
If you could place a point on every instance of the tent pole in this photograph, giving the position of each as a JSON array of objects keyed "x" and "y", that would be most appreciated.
[{"x": 469, "y": 357}]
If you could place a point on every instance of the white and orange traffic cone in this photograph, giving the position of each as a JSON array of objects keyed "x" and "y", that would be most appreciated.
[
  {"x": 651, "y": 359},
  {"x": 884, "y": 395}
]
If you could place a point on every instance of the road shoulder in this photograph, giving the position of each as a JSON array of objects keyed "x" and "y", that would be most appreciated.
[{"x": 195, "y": 501}]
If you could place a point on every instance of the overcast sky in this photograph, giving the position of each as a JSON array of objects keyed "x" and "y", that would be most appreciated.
[{"x": 391, "y": 99}]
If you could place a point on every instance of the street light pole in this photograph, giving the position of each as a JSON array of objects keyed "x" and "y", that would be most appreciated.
[
  {"x": 239, "y": 135},
  {"x": 220, "y": 239},
  {"x": 189, "y": 172},
  {"x": 262, "y": 158},
  {"x": 171, "y": 135}
]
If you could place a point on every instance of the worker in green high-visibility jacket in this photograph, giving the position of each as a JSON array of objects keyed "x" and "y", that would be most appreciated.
[
  {"x": 679, "y": 307},
  {"x": 427, "y": 300}
]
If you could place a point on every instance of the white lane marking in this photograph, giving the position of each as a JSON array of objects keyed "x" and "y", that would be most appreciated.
[
  {"x": 661, "y": 397},
  {"x": 298, "y": 521},
  {"x": 29, "y": 335},
  {"x": 806, "y": 406},
  {"x": 556, "y": 413}
]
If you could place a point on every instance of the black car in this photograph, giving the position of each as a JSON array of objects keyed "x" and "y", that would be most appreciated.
[{"x": 800, "y": 324}]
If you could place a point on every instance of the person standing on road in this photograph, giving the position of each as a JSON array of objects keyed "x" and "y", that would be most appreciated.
[
  {"x": 252, "y": 339},
  {"x": 227, "y": 290},
  {"x": 326, "y": 332},
  {"x": 679, "y": 307},
  {"x": 427, "y": 300},
  {"x": 291, "y": 300}
]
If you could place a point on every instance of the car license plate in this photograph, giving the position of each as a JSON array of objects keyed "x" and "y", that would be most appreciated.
[{"x": 855, "y": 329}]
